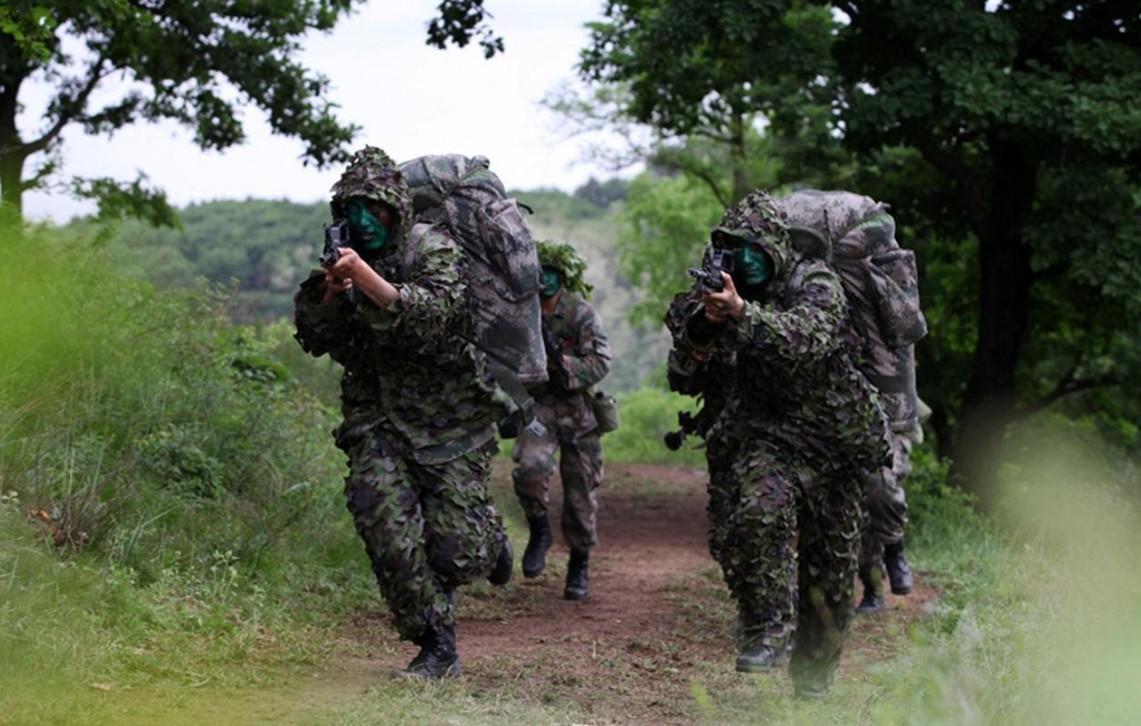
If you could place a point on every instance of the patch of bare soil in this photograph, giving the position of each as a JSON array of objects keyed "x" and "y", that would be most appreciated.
[{"x": 658, "y": 618}]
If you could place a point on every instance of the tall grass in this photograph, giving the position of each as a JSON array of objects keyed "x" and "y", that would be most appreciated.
[{"x": 170, "y": 492}]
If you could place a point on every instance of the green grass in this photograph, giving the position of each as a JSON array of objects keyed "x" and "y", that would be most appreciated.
[{"x": 174, "y": 546}]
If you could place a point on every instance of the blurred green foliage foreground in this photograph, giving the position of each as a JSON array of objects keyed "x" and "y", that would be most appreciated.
[{"x": 171, "y": 520}]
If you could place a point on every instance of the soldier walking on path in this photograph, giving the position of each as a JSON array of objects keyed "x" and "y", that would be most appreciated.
[
  {"x": 880, "y": 282},
  {"x": 418, "y": 405},
  {"x": 800, "y": 424},
  {"x": 578, "y": 357}
]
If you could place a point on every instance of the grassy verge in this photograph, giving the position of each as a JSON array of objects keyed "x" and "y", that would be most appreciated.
[{"x": 173, "y": 546}]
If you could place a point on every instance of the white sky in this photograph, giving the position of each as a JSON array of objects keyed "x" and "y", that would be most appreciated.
[{"x": 408, "y": 98}]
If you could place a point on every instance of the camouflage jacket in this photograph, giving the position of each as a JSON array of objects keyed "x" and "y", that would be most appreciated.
[
  {"x": 691, "y": 373},
  {"x": 584, "y": 361},
  {"x": 409, "y": 368},
  {"x": 796, "y": 383}
]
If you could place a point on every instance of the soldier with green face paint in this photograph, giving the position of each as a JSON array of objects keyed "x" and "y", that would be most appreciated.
[
  {"x": 799, "y": 424},
  {"x": 578, "y": 356},
  {"x": 419, "y": 407}
]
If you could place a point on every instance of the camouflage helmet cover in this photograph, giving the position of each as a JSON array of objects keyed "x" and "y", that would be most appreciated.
[
  {"x": 757, "y": 219},
  {"x": 373, "y": 174},
  {"x": 564, "y": 258}
]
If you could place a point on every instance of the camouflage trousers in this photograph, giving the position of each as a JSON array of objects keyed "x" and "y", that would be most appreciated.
[
  {"x": 580, "y": 468},
  {"x": 886, "y": 504},
  {"x": 787, "y": 539},
  {"x": 426, "y": 528}
]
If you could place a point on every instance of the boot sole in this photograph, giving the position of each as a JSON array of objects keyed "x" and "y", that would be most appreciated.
[
  {"x": 531, "y": 574},
  {"x": 744, "y": 667},
  {"x": 573, "y": 595},
  {"x": 900, "y": 590},
  {"x": 453, "y": 671}
]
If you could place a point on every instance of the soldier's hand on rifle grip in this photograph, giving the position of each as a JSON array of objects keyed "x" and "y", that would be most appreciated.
[
  {"x": 335, "y": 287},
  {"x": 725, "y": 304}
]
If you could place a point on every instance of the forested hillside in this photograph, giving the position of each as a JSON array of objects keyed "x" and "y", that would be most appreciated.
[{"x": 261, "y": 249}]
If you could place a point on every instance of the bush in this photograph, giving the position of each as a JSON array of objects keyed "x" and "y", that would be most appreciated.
[
  {"x": 173, "y": 462},
  {"x": 648, "y": 414}
]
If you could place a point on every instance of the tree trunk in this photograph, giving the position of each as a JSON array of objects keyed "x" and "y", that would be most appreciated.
[
  {"x": 11, "y": 188},
  {"x": 1004, "y": 299},
  {"x": 12, "y": 75}
]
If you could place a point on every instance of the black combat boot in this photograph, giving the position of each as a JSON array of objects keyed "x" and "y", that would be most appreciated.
[
  {"x": 898, "y": 571},
  {"x": 760, "y": 658},
  {"x": 873, "y": 599},
  {"x": 501, "y": 574},
  {"x": 578, "y": 575},
  {"x": 535, "y": 556},
  {"x": 437, "y": 657}
]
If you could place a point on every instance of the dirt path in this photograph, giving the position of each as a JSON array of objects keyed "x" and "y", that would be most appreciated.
[{"x": 658, "y": 619}]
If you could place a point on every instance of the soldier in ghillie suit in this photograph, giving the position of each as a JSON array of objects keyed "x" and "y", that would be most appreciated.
[
  {"x": 578, "y": 357},
  {"x": 418, "y": 406},
  {"x": 880, "y": 281},
  {"x": 882, "y": 543},
  {"x": 800, "y": 425},
  {"x": 709, "y": 377}
]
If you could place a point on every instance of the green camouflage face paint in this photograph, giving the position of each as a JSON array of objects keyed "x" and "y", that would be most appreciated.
[
  {"x": 550, "y": 281},
  {"x": 369, "y": 229},
  {"x": 756, "y": 266}
]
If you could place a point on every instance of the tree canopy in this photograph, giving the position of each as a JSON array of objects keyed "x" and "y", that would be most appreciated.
[
  {"x": 1010, "y": 126},
  {"x": 194, "y": 63}
]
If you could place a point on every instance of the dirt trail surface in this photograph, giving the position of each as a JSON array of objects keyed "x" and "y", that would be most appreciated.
[{"x": 658, "y": 619}]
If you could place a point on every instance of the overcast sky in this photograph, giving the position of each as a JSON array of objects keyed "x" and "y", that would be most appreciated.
[{"x": 408, "y": 99}]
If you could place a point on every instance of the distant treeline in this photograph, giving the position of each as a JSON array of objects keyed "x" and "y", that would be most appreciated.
[{"x": 261, "y": 249}]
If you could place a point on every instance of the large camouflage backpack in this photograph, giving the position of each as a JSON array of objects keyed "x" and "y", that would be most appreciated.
[
  {"x": 463, "y": 195},
  {"x": 880, "y": 282}
]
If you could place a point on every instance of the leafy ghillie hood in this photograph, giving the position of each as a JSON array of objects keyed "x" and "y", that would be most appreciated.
[
  {"x": 562, "y": 257},
  {"x": 757, "y": 220},
  {"x": 373, "y": 174}
]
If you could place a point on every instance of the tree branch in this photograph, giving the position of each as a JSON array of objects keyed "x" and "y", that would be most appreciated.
[
  {"x": 70, "y": 110},
  {"x": 695, "y": 171},
  {"x": 1068, "y": 385}
]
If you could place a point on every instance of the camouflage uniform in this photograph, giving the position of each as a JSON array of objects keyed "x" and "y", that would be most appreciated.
[
  {"x": 562, "y": 407},
  {"x": 892, "y": 371},
  {"x": 709, "y": 377},
  {"x": 800, "y": 423},
  {"x": 879, "y": 280},
  {"x": 419, "y": 413}
]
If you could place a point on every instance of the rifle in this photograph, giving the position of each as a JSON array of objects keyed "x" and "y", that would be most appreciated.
[
  {"x": 690, "y": 424},
  {"x": 708, "y": 276},
  {"x": 336, "y": 239}
]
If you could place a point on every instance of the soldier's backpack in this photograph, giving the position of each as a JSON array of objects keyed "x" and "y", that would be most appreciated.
[
  {"x": 880, "y": 281},
  {"x": 463, "y": 195}
]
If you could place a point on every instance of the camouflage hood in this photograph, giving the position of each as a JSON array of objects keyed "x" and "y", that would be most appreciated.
[
  {"x": 373, "y": 174},
  {"x": 758, "y": 220},
  {"x": 563, "y": 258}
]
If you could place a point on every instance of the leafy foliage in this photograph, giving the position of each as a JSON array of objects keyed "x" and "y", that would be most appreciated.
[
  {"x": 665, "y": 224},
  {"x": 459, "y": 21},
  {"x": 1005, "y": 135},
  {"x": 190, "y": 63}
]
